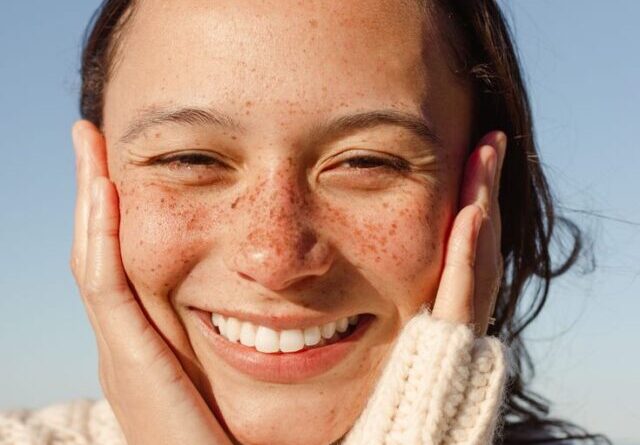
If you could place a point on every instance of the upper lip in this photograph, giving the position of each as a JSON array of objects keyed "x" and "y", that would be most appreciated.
[{"x": 279, "y": 322}]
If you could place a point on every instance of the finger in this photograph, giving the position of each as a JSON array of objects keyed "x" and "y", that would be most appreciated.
[
  {"x": 490, "y": 262},
  {"x": 501, "y": 149},
  {"x": 488, "y": 267},
  {"x": 479, "y": 175},
  {"x": 487, "y": 276},
  {"x": 455, "y": 297},
  {"x": 90, "y": 154},
  {"x": 500, "y": 145},
  {"x": 106, "y": 287}
]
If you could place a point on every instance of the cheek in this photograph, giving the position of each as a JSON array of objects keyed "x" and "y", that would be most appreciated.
[
  {"x": 397, "y": 242},
  {"x": 162, "y": 235}
]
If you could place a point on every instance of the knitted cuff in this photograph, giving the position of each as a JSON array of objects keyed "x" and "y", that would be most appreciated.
[{"x": 441, "y": 385}]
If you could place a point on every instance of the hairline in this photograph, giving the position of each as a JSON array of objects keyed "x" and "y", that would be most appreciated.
[{"x": 432, "y": 16}]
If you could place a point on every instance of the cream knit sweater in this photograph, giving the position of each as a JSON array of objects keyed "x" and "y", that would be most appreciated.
[{"x": 441, "y": 386}]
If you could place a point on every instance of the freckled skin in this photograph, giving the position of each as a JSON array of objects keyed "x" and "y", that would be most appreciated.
[{"x": 284, "y": 229}]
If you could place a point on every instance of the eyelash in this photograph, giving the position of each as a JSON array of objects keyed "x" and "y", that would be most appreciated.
[
  {"x": 189, "y": 160},
  {"x": 365, "y": 162},
  {"x": 377, "y": 161}
]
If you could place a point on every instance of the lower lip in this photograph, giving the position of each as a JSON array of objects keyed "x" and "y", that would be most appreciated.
[{"x": 281, "y": 367}]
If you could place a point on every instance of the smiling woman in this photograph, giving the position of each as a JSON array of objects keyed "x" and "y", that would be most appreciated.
[{"x": 294, "y": 210}]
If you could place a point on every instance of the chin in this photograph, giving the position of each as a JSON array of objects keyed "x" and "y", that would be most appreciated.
[
  {"x": 319, "y": 412},
  {"x": 268, "y": 419}
]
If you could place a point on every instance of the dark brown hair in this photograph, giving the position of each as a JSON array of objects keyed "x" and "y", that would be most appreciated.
[{"x": 480, "y": 39}]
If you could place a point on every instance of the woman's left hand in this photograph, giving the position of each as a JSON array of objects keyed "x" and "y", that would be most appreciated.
[{"x": 473, "y": 266}]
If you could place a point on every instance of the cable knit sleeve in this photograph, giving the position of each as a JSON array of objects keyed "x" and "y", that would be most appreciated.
[
  {"x": 441, "y": 385},
  {"x": 81, "y": 422}
]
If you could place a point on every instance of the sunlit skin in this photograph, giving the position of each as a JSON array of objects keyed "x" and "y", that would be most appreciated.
[{"x": 276, "y": 216}]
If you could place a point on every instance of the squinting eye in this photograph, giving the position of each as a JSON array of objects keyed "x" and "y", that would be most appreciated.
[
  {"x": 371, "y": 162},
  {"x": 189, "y": 159}
]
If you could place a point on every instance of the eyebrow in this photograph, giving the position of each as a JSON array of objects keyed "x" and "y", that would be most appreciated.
[
  {"x": 333, "y": 127},
  {"x": 154, "y": 116}
]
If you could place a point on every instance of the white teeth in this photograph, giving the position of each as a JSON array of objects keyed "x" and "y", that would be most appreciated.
[
  {"x": 233, "y": 329},
  {"x": 312, "y": 336},
  {"x": 248, "y": 334},
  {"x": 267, "y": 340},
  {"x": 328, "y": 330},
  {"x": 342, "y": 325},
  {"x": 291, "y": 340},
  {"x": 222, "y": 324}
]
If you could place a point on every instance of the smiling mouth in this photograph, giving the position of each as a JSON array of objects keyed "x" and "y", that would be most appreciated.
[
  {"x": 266, "y": 340},
  {"x": 283, "y": 355}
]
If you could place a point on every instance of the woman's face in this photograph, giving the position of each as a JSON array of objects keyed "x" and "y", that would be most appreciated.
[{"x": 288, "y": 163}]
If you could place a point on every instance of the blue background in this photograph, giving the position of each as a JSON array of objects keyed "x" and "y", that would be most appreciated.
[{"x": 582, "y": 64}]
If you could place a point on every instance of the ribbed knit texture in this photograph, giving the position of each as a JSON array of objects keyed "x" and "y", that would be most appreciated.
[{"x": 441, "y": 386}]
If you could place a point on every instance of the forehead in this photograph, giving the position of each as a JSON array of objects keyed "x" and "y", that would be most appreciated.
[{"x": 310, "y": 56}]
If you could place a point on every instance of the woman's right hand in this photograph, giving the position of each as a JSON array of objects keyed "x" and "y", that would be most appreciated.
[{"x": 151, "y": 395}]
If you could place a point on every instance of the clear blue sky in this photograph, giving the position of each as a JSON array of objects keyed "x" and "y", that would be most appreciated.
[{"x": 582, "y": 63}]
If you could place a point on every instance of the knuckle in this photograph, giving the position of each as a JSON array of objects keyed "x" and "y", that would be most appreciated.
[
  {"x": 464, "y": 263},
  {"x": 96, "y": 289},
  {"x": 92, "y": 288},
  {"x": 102, "y": 231}
]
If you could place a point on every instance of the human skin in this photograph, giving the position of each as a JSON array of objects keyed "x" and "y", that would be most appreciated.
[{"x": 288, "y": 226}]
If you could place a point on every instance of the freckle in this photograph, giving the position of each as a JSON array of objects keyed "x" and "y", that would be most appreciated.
[
  {"x": 137, "y": 207},
  {"x": 234, "y": 137},
  {"x": 157, "y": 135},
  {"x": 248, "y": 103}
]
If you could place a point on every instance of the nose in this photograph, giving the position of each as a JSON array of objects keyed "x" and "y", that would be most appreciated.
[{"x": 278, "y": 244}]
